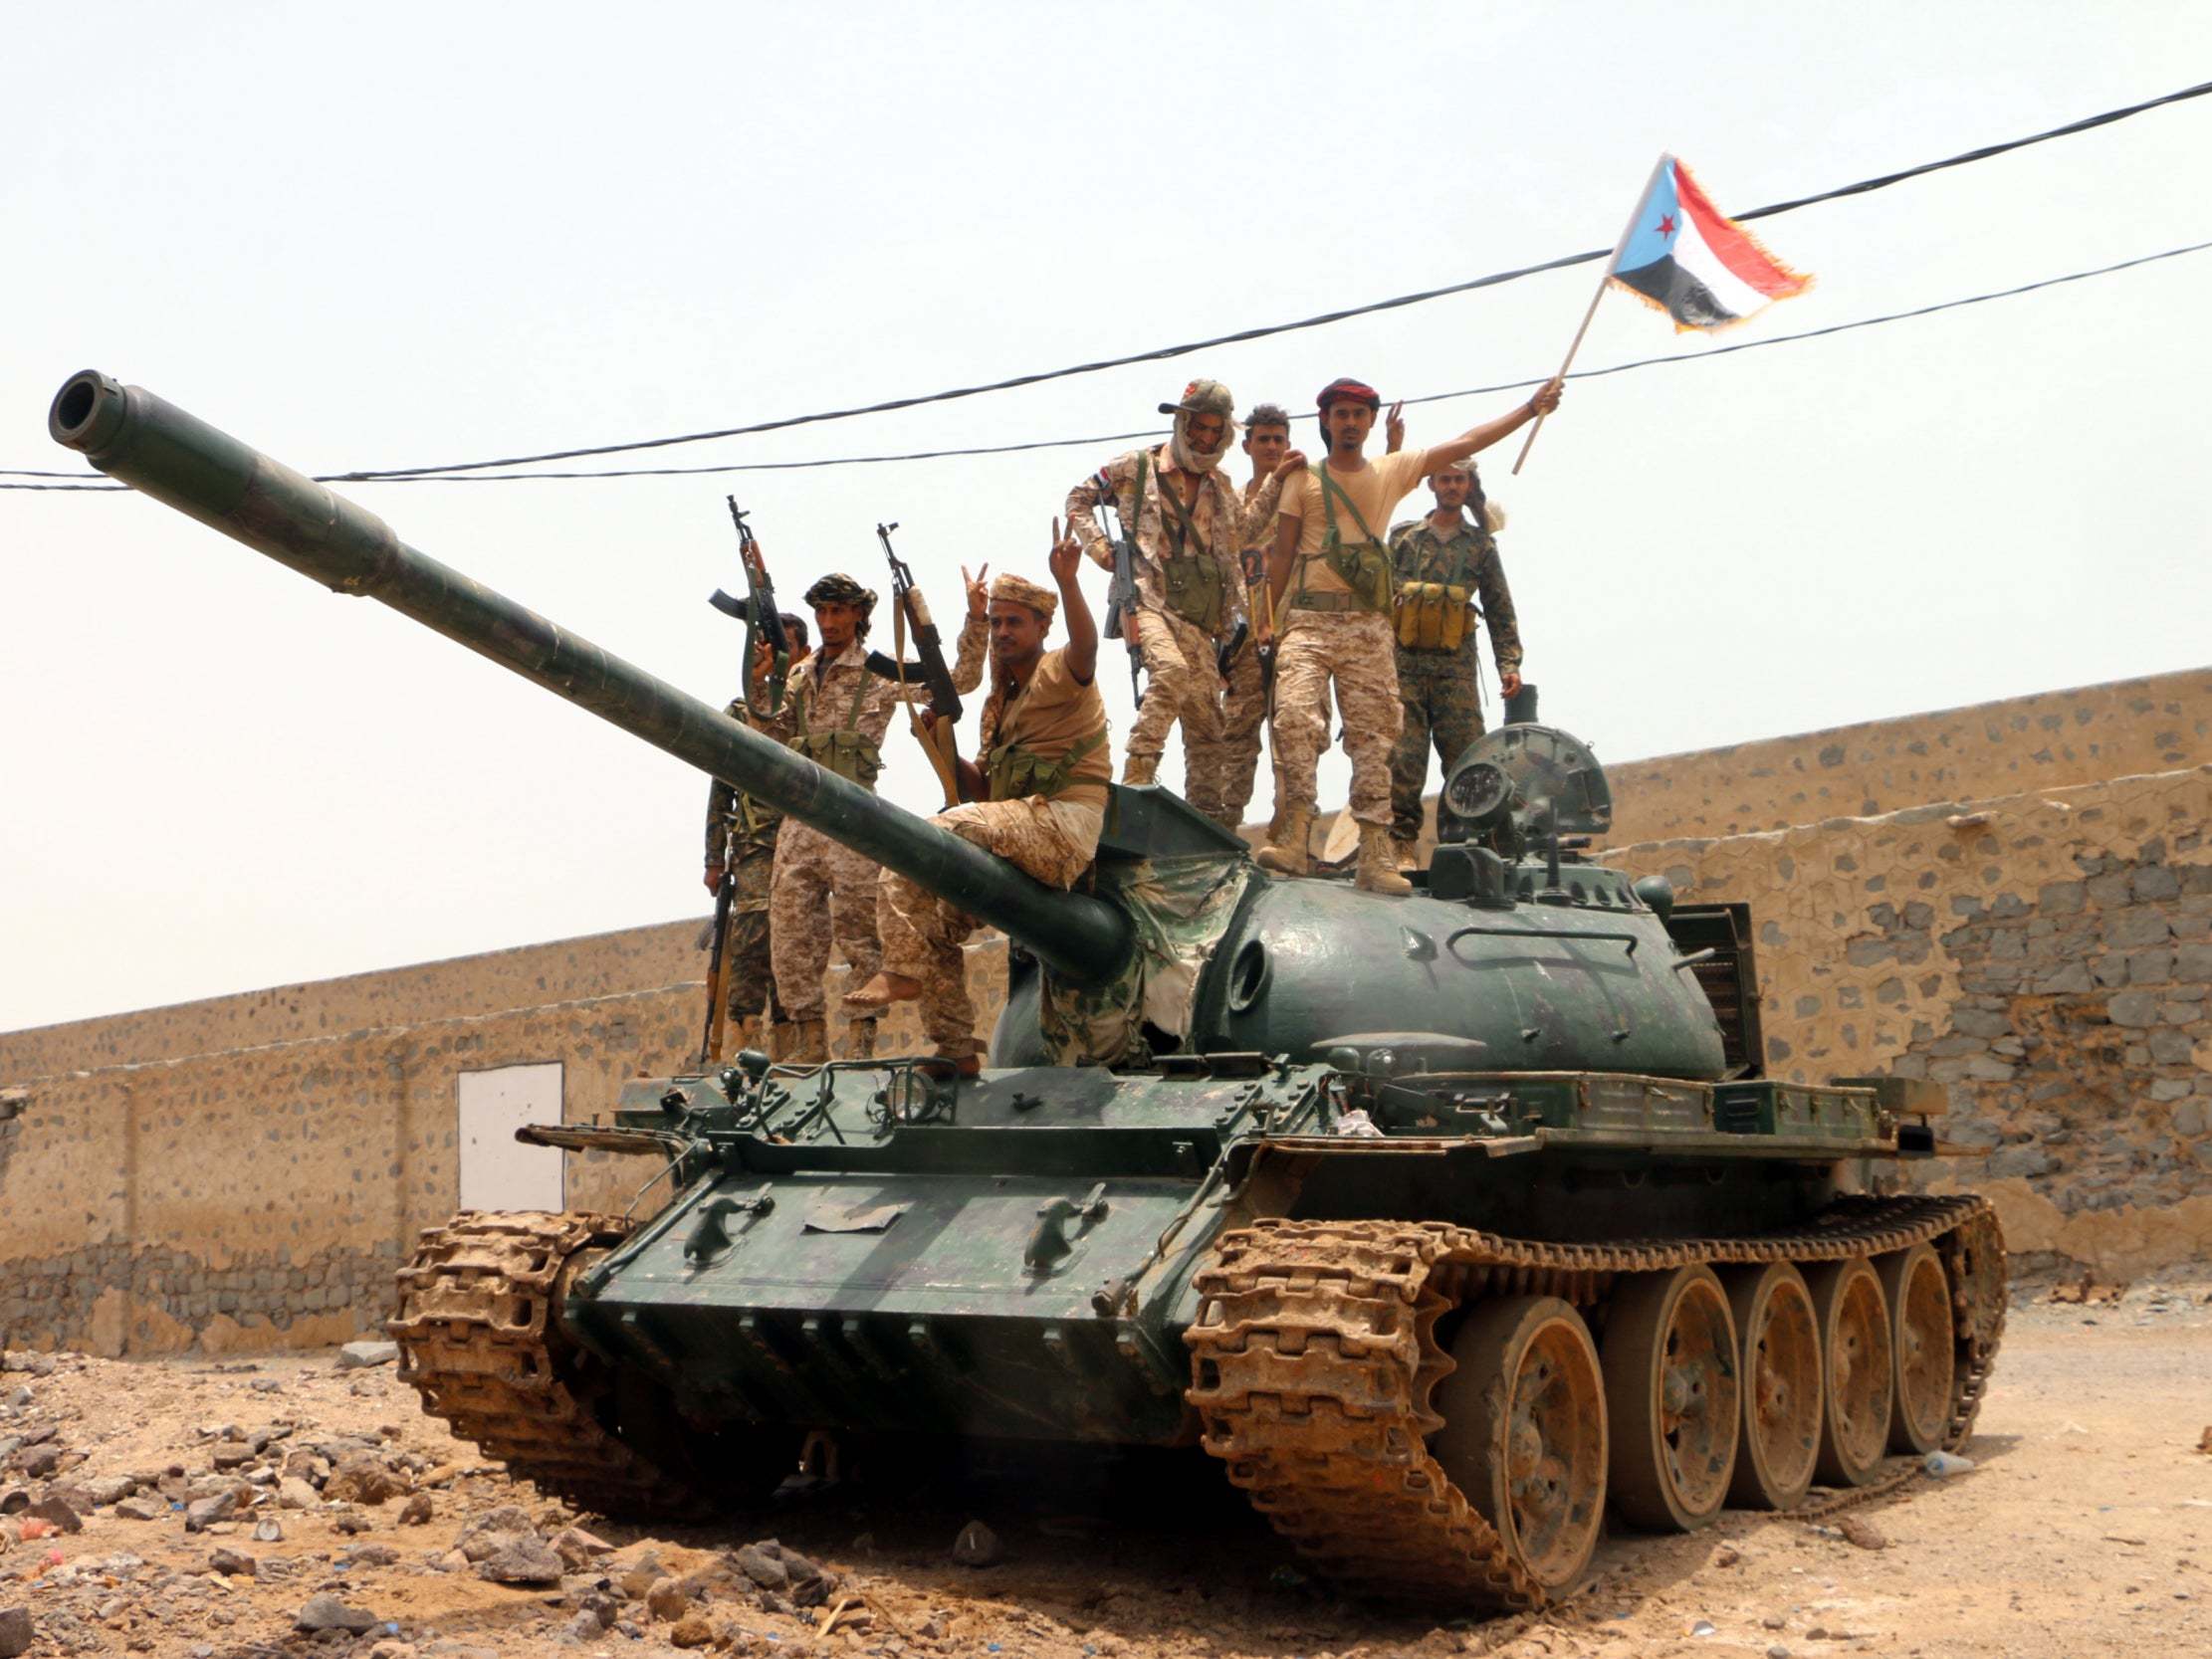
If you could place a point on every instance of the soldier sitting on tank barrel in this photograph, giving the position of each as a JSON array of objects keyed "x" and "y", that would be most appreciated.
[{"x": 1036, "y": 797}]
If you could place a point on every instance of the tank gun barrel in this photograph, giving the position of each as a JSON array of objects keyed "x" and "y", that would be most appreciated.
[{"x": 156, "y": 448}]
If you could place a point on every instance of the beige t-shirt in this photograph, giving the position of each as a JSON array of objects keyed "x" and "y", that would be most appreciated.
[
  {"x": 1376, "y": 490},
  {"x": 1051, "y": 716}
]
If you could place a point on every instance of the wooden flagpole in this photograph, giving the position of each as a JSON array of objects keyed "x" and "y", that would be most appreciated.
[{"x": 1635, "y": 213}]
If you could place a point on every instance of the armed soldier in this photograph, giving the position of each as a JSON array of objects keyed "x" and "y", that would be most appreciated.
[
  {"x": 1218, "y": 771},
  {"x": 741, "y": 843},
  {"x": 1333, "y": 587},
  {"x": 1186, "y": 528},
  {"x": 1038, "y": 799},
  {"x": 840, "y": 712},
  {"x": 1448, "y": 576}
]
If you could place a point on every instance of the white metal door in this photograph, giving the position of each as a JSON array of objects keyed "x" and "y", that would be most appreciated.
[{"x": 498, "y": 1172}]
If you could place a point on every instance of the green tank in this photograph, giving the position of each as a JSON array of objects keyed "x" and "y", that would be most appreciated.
[{"x": 1448, "y": 1224}]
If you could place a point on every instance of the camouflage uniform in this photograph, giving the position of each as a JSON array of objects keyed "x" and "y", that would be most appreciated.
[
  {"x": 1218, "y": 773},
  {"x": 1052, "y": 838},
  {"x": 1180, "y": 679},
  {"x": 1442, "y": 690},
  {"x": 815, "y": 875},
  {"x": 1355, "y": 648},
  {"x": 740, "y": 838}
]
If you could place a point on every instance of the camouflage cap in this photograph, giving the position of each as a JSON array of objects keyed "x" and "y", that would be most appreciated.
[
  {"x": 840, "y": 589},
  {"x": 1203, "y": 397}
]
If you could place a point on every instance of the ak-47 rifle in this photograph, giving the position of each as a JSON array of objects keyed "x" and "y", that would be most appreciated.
[
  {"x": 757, "y": 611},
  {"x": 1121, "y": 591},
  {"x": 710, "y": 1047},
  {"x": 910, "y": 612}
]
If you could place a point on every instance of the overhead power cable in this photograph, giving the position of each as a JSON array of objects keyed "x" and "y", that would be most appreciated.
[
  {"x": 1163, "y": 354},
  {"x": 1124, "y": 437}
]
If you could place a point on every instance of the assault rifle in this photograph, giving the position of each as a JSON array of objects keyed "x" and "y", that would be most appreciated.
[
  {"x": 757, "y": 611},
  {"x": 910, "y": 611},
  {"x": 717, "y": 1001},
  {"x": 1121, "y": 591}
]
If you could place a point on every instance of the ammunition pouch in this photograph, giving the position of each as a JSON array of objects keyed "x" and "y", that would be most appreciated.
[
  {"x": 1363, "y": 566},
  {"x": 1194, "y": 591},
  {"x": 1431, "y": 616},
  {"x": 1365, "y": 569},
  {"x": 848, "y": 753},
  {"x": 1016, "y": 773}
]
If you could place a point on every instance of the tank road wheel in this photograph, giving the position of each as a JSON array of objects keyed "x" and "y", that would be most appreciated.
[
  {"x": 1673, "y": 1398},
  {"x": 1782, "y": 1392},
  {"x": 1859, "y": 1378},
  {"x": 1920, "y": 1336},
  {"x": 1524, "y": 1431}
]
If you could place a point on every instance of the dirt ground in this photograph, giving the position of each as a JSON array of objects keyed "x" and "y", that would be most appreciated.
[{"x": 2086, "y": 1527}]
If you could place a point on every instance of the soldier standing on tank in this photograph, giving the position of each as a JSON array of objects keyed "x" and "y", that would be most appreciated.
[
  {"x": 741, "y": 840},
  {"x": 1220, "y": 772},
  {"x": 823, "y": 890},
  {"x": 1448, "y": 576},
  {"x": 1187, "y": 527},
  {"x": 1036, "y": 796},
  {"x": 1331, "y": 578}
]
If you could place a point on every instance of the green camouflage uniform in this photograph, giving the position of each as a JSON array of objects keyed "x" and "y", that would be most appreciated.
[
  {"x": 1442, "y": 690},
  {"x": 741, "y": 837}
]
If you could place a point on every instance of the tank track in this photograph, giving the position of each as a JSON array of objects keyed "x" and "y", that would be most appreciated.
[
  {"x": 477, "y": 1338},
  {"x": 1314, "y": 1358}
]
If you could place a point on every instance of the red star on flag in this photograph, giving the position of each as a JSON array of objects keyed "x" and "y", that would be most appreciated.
[{"x": 1666, "y": 224}]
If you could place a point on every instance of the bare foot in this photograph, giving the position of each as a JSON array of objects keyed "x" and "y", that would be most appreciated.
[{"x": 880, "y": 992}]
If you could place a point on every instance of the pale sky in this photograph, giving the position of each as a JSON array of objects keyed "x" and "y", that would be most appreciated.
[{"x": 378, "y": 236}]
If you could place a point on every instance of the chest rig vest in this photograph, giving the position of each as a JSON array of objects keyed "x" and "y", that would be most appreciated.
[
  {"x": 845, "y": 750},
  {"x": 1363, "y": 566},
  {"x": 1435, "y": 598},
  {"x": 1191, "y": 582}
]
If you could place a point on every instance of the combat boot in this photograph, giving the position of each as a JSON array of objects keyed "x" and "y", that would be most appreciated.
[
  {"x": 1140, "y": 768},
  {"x": 1404, "y": 855},
  {"x": 741, "y": 1034},
  {"x": 805, "y": 1043},
  {"x": 1378, "y": 872},
  {"x": 860, "y": 1040},
  {"x": 1287, "y": 848}
]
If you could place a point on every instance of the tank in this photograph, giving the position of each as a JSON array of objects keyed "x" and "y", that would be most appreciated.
[{"x": 1450, "y": 1224}]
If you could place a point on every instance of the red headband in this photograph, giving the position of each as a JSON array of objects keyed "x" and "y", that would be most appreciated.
[{"x": 1357, "y": 391}]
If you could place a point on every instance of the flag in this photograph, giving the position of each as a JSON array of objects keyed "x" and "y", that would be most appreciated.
[{"x": 1702, "y": 270}]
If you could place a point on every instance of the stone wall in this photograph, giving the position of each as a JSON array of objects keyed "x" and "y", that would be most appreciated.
[
  {"x": 2050, "y": 740},
  {"x": 2047, "y": 956},
  {"x": 161, "y": 1193}
]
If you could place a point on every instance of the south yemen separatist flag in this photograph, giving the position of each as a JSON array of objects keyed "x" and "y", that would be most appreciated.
[{"x": 1702, "y": 270}]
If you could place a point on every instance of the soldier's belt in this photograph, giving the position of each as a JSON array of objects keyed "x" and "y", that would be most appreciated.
[{"x": 1326, "y": 603}]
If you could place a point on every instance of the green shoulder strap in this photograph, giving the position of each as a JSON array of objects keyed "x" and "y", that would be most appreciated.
[{"x": 1332, "y": 493}]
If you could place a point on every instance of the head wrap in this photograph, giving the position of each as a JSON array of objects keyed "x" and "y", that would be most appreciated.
[
  {"x": 1021, "y": 591},
  {"x": 841, "y": 589},
  {"x": 1343, "y": 388},
  {"x": 1200, "y": 397}
]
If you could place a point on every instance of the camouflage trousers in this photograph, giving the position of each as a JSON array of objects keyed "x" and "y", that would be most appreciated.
[
  {"x": 1443, "y": 697},
  {"x": 1180, "y": 682},
  {"x": 1217, "y": 775},
  {"x": 817, "y": 882},
  {"x": 1355, "y": 652},
  {"x": 1053, "y": 841},
  {"x": 748, "y": 974}
]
